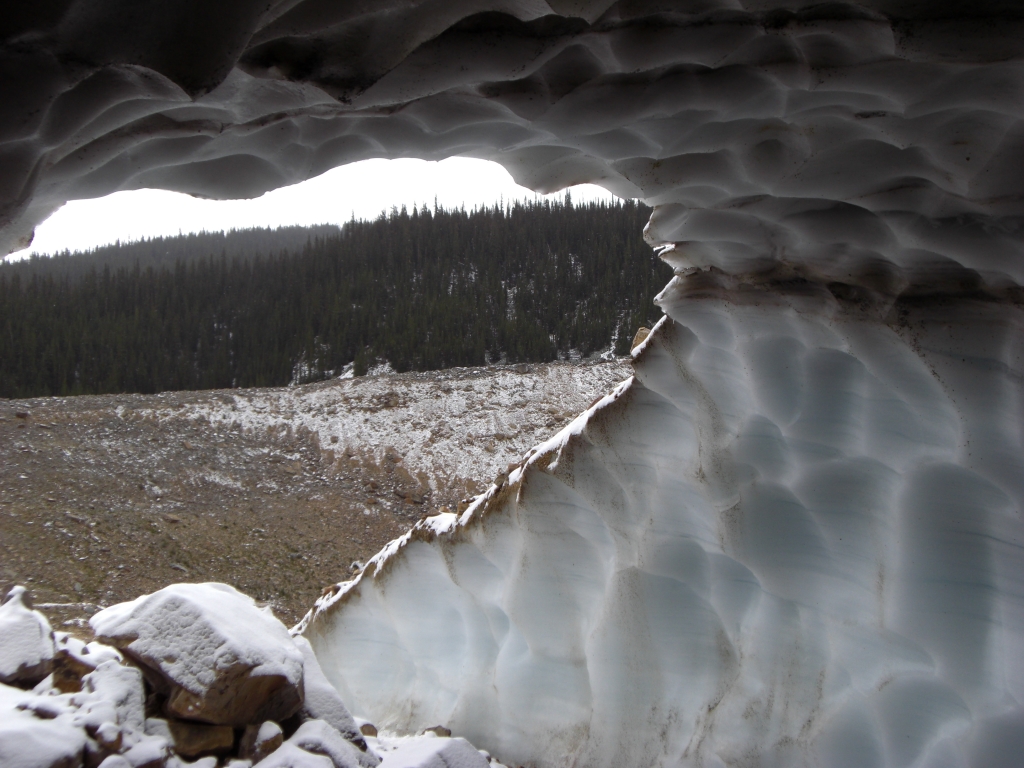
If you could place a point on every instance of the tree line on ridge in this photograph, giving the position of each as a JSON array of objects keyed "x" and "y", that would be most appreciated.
[{"x": 422, "y": 290}]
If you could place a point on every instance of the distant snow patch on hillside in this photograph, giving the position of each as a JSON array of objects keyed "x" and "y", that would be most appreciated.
[{"x": 458, "y": 423}]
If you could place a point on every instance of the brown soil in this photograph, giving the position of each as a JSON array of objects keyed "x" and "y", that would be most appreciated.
[
  {"x": 102, "y": 499},
  {"x": 95, "y": 507}
]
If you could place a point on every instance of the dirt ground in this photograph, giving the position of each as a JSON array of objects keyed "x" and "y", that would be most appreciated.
[{"x": 102, "y": 501}]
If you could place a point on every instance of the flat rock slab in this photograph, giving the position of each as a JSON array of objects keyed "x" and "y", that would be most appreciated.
[{"x": 218, "y": 658}]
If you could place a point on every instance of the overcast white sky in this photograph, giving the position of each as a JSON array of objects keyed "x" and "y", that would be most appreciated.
[{"x": 365, "y": 188}]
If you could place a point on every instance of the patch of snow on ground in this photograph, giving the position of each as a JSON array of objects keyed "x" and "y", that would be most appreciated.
[{"x": 463, "y": 422}]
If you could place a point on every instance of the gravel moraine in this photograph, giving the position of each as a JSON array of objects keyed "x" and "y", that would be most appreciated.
[{"x": 275, "y": 491}]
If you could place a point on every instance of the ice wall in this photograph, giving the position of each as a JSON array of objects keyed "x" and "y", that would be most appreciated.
[{"x": 793, "y": 538}]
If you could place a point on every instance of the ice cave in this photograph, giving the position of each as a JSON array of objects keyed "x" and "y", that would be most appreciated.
[{"x": 794, "y": 536}]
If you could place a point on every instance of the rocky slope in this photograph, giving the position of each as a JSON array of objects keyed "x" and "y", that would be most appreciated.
[{"x": 276, "y": 491}]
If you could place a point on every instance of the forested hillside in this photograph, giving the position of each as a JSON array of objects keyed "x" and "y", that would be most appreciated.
[
  {"x": 165, "y": 252},
  {"x": 421, "y": 290}
]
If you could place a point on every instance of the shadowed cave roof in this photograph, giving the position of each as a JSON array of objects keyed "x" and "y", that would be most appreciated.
[{"x": 875, "y": 144}]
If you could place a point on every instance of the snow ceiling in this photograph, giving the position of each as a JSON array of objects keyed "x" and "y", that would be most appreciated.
[{"x": 875, "y": 143}]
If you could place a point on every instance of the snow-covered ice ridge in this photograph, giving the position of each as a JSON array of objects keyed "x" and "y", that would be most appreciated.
[
  {"x": 460, "y": 423},
  {"x": 794, "y": 538}
]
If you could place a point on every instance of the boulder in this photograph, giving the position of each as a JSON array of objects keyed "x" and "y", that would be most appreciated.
[
  {"x": 259, "y": 741},
  {"x": 69, "y": 729},
  {"x": 291, "y": 756},
  {"x": 28, "y": 741},
  {"x": 217, "y": 657},
  {"x": 431, "y": 752},
  {"x": 318, "y": 745},
  {"x": 74, "y": 659},
  {"x": 26, "y": 641},
  {"x": 640, "y": 337},
  {"x": 149, "y": 752},
  {"x": 111, "y": 694},
  {"x": 200, "y": 739},
  {"x": 322, "y": 699}
]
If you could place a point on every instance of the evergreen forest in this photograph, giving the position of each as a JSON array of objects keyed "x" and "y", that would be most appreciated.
[{"x": 419, "y": 290}]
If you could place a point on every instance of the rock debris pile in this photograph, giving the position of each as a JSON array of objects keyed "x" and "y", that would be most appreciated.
[
  {"x": 191, "y": 675},
  {"x": 275, "y": 491}
]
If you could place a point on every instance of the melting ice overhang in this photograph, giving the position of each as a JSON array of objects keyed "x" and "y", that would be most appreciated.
[
  {"x": 795, "y": 536},
  {"x": 871, "y": 144}
]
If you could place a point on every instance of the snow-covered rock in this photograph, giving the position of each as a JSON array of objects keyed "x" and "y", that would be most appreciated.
[
  {"x": 193, "y": 740},
  {"x": 149, "y": 752},
  {"x": 112, "y": 704},
  {"x": 322, "y": 699},
  {"x": 96, "y": 711},
  {"x": 218, "y": 657},
  {"x": 318, "y": 745},
  {"x": 258, "y": 741},
  {"x": 28, "y": 741},
  {"x": 107, "y": 716},
  {"x": 26, "y": 641},
  {"x": 794, "y": 537},
  {"x": 291, "y": 756},
  {"x": 426, "y": 752},
  {"x": 74, "y": 659}
]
